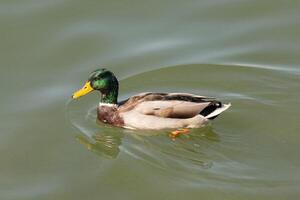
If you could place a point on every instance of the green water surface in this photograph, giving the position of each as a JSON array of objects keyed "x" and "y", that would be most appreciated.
[{"x": 243, "y": 52}]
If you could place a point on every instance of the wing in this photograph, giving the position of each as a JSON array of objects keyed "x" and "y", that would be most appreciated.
[
  {"x": 167, "y": 105},
  {"x": 171, "y": 109}
]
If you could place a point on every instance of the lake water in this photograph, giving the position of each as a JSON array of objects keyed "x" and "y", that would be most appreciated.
[{"x": 243, "y": 52}]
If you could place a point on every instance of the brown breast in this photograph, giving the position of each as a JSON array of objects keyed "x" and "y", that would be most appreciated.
[{"x": 110, "y": 115}]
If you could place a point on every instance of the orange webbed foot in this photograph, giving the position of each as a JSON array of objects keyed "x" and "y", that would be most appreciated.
[{"x": 177, "y": 132}]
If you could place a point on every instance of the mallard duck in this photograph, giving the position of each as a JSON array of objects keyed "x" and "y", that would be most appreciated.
[{"x": 152, "y": 111}]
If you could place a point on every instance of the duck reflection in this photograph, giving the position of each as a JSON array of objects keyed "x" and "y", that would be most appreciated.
[
  {"x": 107, "y": 144},
  {"x": 102, "y": 144},
  {"x": 206, "y": 133}
]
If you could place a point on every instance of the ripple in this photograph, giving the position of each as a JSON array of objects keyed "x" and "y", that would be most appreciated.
[{"x": 32, "y": 6}]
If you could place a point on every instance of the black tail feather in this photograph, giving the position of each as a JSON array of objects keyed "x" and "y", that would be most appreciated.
[{"x": 211, "y": 108}]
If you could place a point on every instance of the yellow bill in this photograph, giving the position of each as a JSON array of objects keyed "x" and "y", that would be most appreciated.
[{"x": 87, "y": 88}]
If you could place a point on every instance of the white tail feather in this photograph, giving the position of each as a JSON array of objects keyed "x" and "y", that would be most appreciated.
[{"x": 218, "y": 111}]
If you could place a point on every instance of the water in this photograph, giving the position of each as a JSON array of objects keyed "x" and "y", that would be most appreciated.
[{"x": 246, "y": 53}]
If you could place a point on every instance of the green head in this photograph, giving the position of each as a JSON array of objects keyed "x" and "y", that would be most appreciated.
[{"x": 104, "y": 81}]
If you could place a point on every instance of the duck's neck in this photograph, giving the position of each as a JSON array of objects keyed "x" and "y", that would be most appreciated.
[{"x": 110, "y": 97}]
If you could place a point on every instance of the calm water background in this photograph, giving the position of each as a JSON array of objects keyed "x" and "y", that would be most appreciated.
[{"x": 243, "y": 52}]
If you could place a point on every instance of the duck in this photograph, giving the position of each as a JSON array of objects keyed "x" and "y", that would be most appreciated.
[{"x": 178, "y": 112}]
